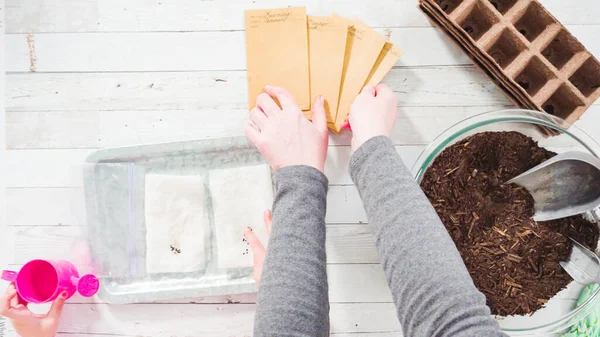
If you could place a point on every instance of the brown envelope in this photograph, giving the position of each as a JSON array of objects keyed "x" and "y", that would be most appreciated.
[
  {"x": 362, "y": 50},
  {"x": 327, "y": 46},
  {"x": 277, "y": 53},
  {"x": 386, "y": 60}
]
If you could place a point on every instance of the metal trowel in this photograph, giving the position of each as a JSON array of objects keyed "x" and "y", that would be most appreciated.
[
  {"x": 565, "y": 185},
  {"x": 582, "y": 264}
]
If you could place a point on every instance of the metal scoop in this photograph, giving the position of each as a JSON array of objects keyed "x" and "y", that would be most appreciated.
[
  {"x": 565, "y": 185},
  {"x": 582, "y": 265}
]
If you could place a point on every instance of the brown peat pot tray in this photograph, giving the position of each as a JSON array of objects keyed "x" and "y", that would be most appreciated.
[{"x": 537, "y": 63}]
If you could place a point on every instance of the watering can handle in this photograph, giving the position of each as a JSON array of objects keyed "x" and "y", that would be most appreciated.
[{"x": 9, "y": 276}]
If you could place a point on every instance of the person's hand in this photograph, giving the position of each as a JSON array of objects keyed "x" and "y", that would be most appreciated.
[
  {"x": 372, "y": 114},
  {"x": 284, "y": 136},
  {"x": 258, "y": 250},
  {"x": 26, "y": 323}
]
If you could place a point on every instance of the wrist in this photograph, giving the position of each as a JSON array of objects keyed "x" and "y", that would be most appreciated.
[
  {"x": 299, "y": 174},
  {"x": 320, "y": 168},
  {"x": 362, "y": 139}
]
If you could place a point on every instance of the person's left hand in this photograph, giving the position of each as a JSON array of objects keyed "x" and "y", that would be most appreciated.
[
  {"x": 26, "y": 323},
  {"x": 258, "y": 250},
  {"x": 284, "y": 136}
]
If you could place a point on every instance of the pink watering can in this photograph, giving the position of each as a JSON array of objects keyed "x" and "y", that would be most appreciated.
[{"x": 41, "y": 281}]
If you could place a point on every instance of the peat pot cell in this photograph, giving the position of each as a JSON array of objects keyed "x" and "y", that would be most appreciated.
[
  {"x": 534, "y": 21},
  {"x": 534, "y": 76},
  {"x": 506, "y": 48},
  {"x": 562, "y": 48},
  {"x": 587, "y": 78},
  {"x": 448, "y": 6},
  {"x": 478, "y": 20},
  {"x": 562, "y": 103},
  {"x": 503, "y": 5}
]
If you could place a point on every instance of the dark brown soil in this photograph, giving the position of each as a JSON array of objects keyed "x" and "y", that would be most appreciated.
[{"x": 512, "y": 259}]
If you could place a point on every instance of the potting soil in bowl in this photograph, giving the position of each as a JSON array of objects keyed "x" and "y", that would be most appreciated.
[{"x": 512, "y": 259}]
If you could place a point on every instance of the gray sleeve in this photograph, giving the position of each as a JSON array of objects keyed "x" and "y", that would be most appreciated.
[
  {"x": 432, "y": 290},
  {"x": 293, "y": 297}
]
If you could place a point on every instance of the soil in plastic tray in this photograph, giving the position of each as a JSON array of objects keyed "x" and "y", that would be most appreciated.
[{"x": 512, "y": 259}]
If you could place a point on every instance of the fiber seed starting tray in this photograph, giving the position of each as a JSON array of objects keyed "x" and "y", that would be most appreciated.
[{"x": 537, "y": 63}]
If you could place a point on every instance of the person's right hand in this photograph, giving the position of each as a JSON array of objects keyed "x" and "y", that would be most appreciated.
[
  {"x": 284, "y": 136},
  {"x": 372, "y": 114},
  {"x": 26, "y": 323}
]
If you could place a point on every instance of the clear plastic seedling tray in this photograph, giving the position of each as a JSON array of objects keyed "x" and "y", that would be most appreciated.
[{"x": 114, "y": 182}]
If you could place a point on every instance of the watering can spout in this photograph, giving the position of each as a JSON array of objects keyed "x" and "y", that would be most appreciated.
[{"x": 565, "y": 185}]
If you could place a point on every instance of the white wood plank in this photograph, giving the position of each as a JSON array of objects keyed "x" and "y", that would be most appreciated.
[
  {"x": 190, "y": 51},
  {"x": 346, "y": 244},
  {"x": 45, "y": 168},
  {"x": 186, "y": 15},
  {"x": 62, "y": 168},
  {"x": 209, "y": 320},
  {"x": 45, "y": 206},
  {"x": 338, "y": 159},
  {"x": 25, "y": 16},
  {"x": 92, "y": 129},
  {"x": 357, "y": 283},
  {"x": 158, "y": 320},
  {"x": 344, "y": 206},
  {"x": 5, "y": 241},
  {"x": 96, "y": 129},
  {"x": 248, "y": 298},
  {"x": 351, "y": 244},
  {"x": 579, "y": 12},
  {"x": 204, "y": 51},
  {"x": 364, "y": 317},
  {"x": 65, "y": 206},
  {"x": 354, "y": 272},
  {"x": 126, "y": 91},
  {"x": 348, "y": 283},
  {"x": 51, "y": 129},
  {"x": 589, "y": 122},
  {"x": 224, "y": 90}
]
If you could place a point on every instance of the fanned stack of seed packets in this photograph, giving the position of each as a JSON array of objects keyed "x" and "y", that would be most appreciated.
[{"x": 315, "y": 55}]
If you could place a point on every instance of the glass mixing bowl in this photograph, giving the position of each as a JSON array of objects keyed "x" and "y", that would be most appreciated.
[{"x": 553, "y": 134}]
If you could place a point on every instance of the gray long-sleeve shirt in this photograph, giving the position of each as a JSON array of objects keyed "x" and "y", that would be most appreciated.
[{"x": 432, "y": 290}]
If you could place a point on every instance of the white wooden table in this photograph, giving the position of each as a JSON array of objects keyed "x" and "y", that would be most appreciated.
[{"x": 87, "y": 74}]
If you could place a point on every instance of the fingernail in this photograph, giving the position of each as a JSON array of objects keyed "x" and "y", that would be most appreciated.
[
  {"x": 64, "y": 294},
  {"x": 321, "y": 100},
  {"x": 268, "y": 87}
]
